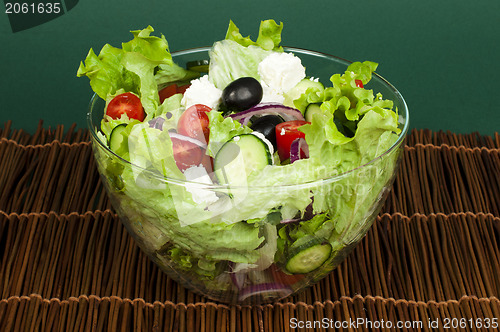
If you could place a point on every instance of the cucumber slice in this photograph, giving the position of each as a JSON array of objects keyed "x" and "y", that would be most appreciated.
[
  {"x": 200, "y": 66},
  {"x": 240, "y": 156},
  {"x": 299, "y": 89},
  {"x": 117, "y": 141},
  {"x": 311, "y": 110},
  {"x": 308, "y": 257}
]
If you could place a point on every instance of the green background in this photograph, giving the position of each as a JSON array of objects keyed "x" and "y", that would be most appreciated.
[{"x": 443, "y": 56}]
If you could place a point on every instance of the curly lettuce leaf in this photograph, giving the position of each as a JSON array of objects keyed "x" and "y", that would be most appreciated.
[
  {"x": 222, "y": 130},
  {"x": 363, "y": 70},
  {"x": 344, "y": 98},
  {"x": 376, "y": 132},
  {"x": 133, "y": 68},
  {"x": 238, "y": 56},
  {"x": 269, "y": 35},
  {"x": 106, "y": 72}
]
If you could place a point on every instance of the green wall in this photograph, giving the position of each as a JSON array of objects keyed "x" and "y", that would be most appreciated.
[{"x": 443, "y": 56}]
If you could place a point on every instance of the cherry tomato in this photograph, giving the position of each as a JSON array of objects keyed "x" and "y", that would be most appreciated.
[
  {"x": 194, "y": 122},
  {"x": 283, "y": 278},
  {"x": 171, "y": 90},
  {"x": 126, "y": 103},
  {"x": 186, "y": 154},
  {"x": 359, "y": 83},
  {"x": 286, "y": 133},
  {"x": 183, "y": 88},
  {"x": 167, "y": 92}
]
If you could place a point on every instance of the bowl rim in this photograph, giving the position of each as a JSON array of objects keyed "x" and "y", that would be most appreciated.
[{"x": 301, "y": 185}]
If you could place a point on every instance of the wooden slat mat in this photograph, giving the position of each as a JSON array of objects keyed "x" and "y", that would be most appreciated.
[{"x": 67, "y": 263}]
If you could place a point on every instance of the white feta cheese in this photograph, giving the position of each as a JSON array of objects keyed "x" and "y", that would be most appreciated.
[
  {"x": 200, "y": 195},
  {"x": 202, "y": 91},
  {"x": 271, "y": 95},
  {"x": 281, "y": 71}
]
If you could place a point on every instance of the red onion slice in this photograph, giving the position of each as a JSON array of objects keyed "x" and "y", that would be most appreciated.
[
  {"x": 288, "y": 113},
  {"x": 298, "y": 149},
  {"x": 238, "y": 279},
  {"x": 188, "y": 139},
  {"x": 263, "y": 289}
]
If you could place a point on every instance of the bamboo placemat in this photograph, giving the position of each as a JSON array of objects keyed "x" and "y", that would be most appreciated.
[{"x": 67, "y": 264}]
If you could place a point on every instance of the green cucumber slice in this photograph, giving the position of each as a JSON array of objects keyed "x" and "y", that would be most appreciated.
[
  {"x": 308, "y": 257},
  {"x": 239, "y": 157},
  {"x": 117, "y": 141},
  {"x": 311, "y": 110}
]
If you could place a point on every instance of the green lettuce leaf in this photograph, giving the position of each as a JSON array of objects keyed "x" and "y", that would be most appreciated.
[
  {"x": 363, "y": 70},
  {"x": 137, "y": 67},
  {"x": 171, "y": 110},
  {"x": 152, "y": 149},
  {"x": 108, "y": 124},
  {"x": 238, "y": 56},
  {"x": 167, "y": 207},
  {"x": 376, "y": 133},
  {"x": 106, "y": 72},
  {"x": 222, "y": 130},
  {"x": 269, "y": 35},
  {"x": 311, "y": 95},
  {"x": 173, "y": 73},
  {"x": 230, "y": 61}
]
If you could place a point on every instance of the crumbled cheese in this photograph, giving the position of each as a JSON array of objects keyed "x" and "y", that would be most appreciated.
[
  {"x": 283, "y": 132},
  {"x": 281, "y": 71},
  {"x": 270, "y": 95},
  {"x": 202, "y": 91},
  {"x": 312, "y": 79},
  {"x": 265, "y": 140},
  {"x": 200, "y": 194}
]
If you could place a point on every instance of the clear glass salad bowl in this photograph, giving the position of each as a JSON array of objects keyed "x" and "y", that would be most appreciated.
[{"x": 241, "y": 249}]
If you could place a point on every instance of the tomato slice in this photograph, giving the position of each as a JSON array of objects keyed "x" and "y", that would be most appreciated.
[
  {"x": 286, "y": 133},
  {"x": 167, "y": 92},
  {"x": 283, "y": 278},
  {"x": 186, "y": 154},
  {"x": 183, "y": 88},
  {"x": 126, "y": 103},
  {"x": 194, "y": 122},
  {"x": 171, "y": 90},
  {"x": 359, "y": 83},
  {"x": 208, "y": 163}
]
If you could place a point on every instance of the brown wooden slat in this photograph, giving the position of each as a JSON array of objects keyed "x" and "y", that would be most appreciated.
[{"x": 92, "y": 313}]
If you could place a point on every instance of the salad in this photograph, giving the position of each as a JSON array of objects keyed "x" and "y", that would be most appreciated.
[{"x": 235, "y": 173}]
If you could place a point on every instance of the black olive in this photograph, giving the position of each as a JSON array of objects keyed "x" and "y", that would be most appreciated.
[
  {"x": 266, "y": 126},
  {"x": 241, "y": 94}
]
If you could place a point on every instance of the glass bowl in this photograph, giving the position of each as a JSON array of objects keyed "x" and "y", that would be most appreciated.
[{"x": 241, "y": 248}]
